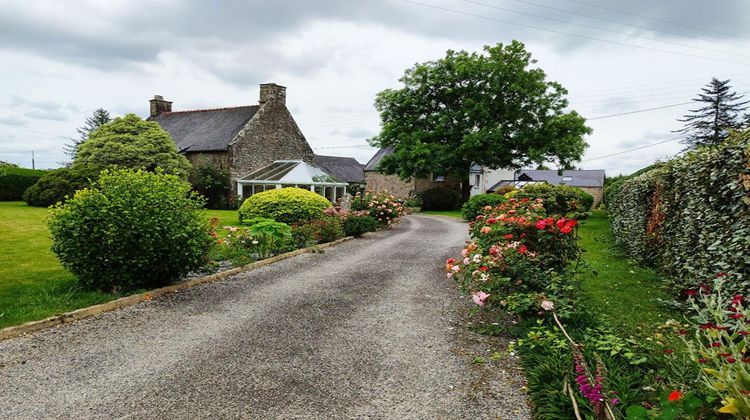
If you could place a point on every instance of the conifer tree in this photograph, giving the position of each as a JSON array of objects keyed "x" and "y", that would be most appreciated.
[
  {"x": 720, "y": 111},
  {"x": 92, "y": 123}
]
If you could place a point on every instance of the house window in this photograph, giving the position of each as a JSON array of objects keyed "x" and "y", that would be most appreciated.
[
  {"x": 567, "y": 179},
  {"x": 438, "y": 178},
  {"x": 476, "y": 180}
]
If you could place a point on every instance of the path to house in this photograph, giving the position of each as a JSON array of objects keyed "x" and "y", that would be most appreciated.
[{"x": 371, "y": 328}]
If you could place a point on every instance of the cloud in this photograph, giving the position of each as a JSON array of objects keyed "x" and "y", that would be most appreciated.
[{"x": 11, "y": 120}]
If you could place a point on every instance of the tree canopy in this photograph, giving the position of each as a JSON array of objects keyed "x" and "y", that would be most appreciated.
[
  {"x": 720, "y": 112},
  {"x": 488, "y": 108},
  {"x": 130, "y": 142}
]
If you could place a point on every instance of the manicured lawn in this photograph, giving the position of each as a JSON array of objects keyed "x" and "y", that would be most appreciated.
[
  {"x": 448, "y": 213},
  {"x": 33, "y": 284},
  {"x": 617, "y": 288}
]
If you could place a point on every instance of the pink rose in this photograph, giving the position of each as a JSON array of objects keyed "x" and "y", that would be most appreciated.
[{"x": 480, "y": 298}]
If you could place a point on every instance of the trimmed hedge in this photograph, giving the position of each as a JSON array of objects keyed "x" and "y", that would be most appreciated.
[
  {"x": 57, "y": 185},
  {"x": 690, "y": 217},
  {"x": 357, "y": 225},
  {"x": 288, "y": 205},
  {"x": 440, "y": 199},
  {"x": 14, "y": 181},
  {"x": 474, "y": 207}
]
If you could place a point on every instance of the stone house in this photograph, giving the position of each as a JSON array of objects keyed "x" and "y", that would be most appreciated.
[
  {"x": 238, "y": 139},
  {"x": 377, "y": 181}
]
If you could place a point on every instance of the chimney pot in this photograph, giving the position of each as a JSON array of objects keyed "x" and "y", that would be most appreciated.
[
  {"x": 272, "y": 92},
  {"x": 158, "y": 105}
]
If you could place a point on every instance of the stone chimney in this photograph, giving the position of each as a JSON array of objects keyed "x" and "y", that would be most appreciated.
[
  {"x": 159, "y": 105},
  {"x": 272, "y": 91}
]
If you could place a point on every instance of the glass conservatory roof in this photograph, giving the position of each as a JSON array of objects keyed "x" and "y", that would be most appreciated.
[{"x": 290, "y": 172}]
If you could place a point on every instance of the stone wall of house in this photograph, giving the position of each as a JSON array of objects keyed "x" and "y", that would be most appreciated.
[
  {"x": 596, "y": 192},
  {"x": 215, "y": 159},
  {"x": 377, "y": 182},
  {"x": 270, "y": 135}
]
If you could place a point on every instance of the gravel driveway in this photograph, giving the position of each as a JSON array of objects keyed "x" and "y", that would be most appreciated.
[{"x": 368, "y": 329}]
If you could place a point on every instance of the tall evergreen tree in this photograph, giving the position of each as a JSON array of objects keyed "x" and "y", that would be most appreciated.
[
  {"x": 709, "y": 125},
  {"x": 92, "y": 123}
]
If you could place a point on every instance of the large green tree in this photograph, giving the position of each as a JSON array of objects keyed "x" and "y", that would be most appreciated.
[
  {"x": 130, "y": 142},
  {"x": 720, "y": 111},
  {"x": 489, "y": 108}
]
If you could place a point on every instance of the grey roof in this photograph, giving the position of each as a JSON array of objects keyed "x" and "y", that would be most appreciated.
[
  {"x": 205, "y": 130},
  {"x": 372, "y": 165},
  {"x": 580, "y": 178},
  {"x": 344, "y": 168}
]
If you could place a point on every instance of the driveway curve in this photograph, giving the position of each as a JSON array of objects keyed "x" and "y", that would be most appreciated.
[{"x": 368, "y": 329}]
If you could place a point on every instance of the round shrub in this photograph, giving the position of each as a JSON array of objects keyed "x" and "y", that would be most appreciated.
[
  {"x": 287, "y": 205},
  {"x": 357, "y": 225},
  {"x": 133, "y": 229},
  {"x": 328, "y": 229},
  {"x": 473, "y": 208},
  {"x": 440, "y": 199}
]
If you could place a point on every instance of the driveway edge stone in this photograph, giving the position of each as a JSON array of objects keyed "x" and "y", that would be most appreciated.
[{"x": 89, "y": 311}]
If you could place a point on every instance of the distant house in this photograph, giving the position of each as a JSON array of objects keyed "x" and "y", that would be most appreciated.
[
  {"x": 377, "y": 181},
  {"x": 238, "y": 139},
  {"x": 591, "y": 181}
]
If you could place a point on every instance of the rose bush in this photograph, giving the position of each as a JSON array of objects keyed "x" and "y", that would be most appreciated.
[{"x": 383, "y": 206}]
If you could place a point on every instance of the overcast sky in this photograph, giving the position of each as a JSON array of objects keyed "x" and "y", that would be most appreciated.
[{"x": 61, "y": 60}]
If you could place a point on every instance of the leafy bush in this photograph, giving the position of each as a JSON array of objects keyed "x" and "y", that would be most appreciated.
[
  {"x": 212, "y": 183},
  {"x": 14, "y": 181},
  {"x": 303, "y": 235},
  {"x": 58, "y": 184},
  {"x": 286, "y": 205},
  {"x": 440, "y": 199},
  {"x": 133, "y": 229},
  {"x": 689, "y": 217},
  {"x": 560, "y": 200},
  {"x": 357, "y": 225},
  {"x": 328, "y": 228},
  {"x": 476, "y": 204}
]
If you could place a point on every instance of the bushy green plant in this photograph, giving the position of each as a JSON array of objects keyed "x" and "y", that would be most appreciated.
[
  {"x": 476, "y": 204},
  {"x": 690, "y": 216},
  {"x": 271, "y": 236},
  {"x": 133, "y": 229},
  {"x": 286, "y": 205},
  {"x": 303, "y": 235},
  {"x": 357, "y": 225},
  {"x": 439, "y": 198},
  {"x": 383, "y": 206},
  {"x": 58, "y": 184},
  {"x": 213, "y": 183},
  {"x": 559, "y": 200},
  {"x": 14, "y": 181}
]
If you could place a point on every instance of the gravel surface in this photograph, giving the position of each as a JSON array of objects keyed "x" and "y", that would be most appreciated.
[{"x": 368, "y": 329}]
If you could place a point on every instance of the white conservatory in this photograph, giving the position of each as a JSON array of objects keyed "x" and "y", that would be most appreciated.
[{"x": 291, "y": 173}]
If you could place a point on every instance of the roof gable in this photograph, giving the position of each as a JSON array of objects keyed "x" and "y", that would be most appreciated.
[
  {"x": 205, "y": 130},
  {"x": 344, "y": 168},
  {"x": 372, "y": 165}
]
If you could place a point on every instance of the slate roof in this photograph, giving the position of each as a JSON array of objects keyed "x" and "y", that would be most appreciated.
[
  {"x": 580, "y": 178},
  {"x": 205, "y": 130},
  {"x": 346, "y": 169},
  {"x": 372, "y": 165}
]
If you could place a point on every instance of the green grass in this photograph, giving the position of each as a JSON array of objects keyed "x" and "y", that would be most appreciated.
[
  {"x": 617, "y": 288},
  {"x": 449, "y": 213},
  {"x": 33, "y": 284}
]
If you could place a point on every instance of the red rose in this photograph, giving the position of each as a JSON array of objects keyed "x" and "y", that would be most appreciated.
[
  {"x": 508, "y": 236},
  {"x": 491, "y": 221},
  {"x": 523, "y": 249},
  {"x": 675, "y": 396},
  {"x": 541, "y": 224},
  {"x": 484, "y": 268}
]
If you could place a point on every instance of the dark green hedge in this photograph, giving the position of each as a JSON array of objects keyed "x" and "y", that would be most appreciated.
[
  {"x": 14, "y": 181},
  {"x": 690, "y": 217}
]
